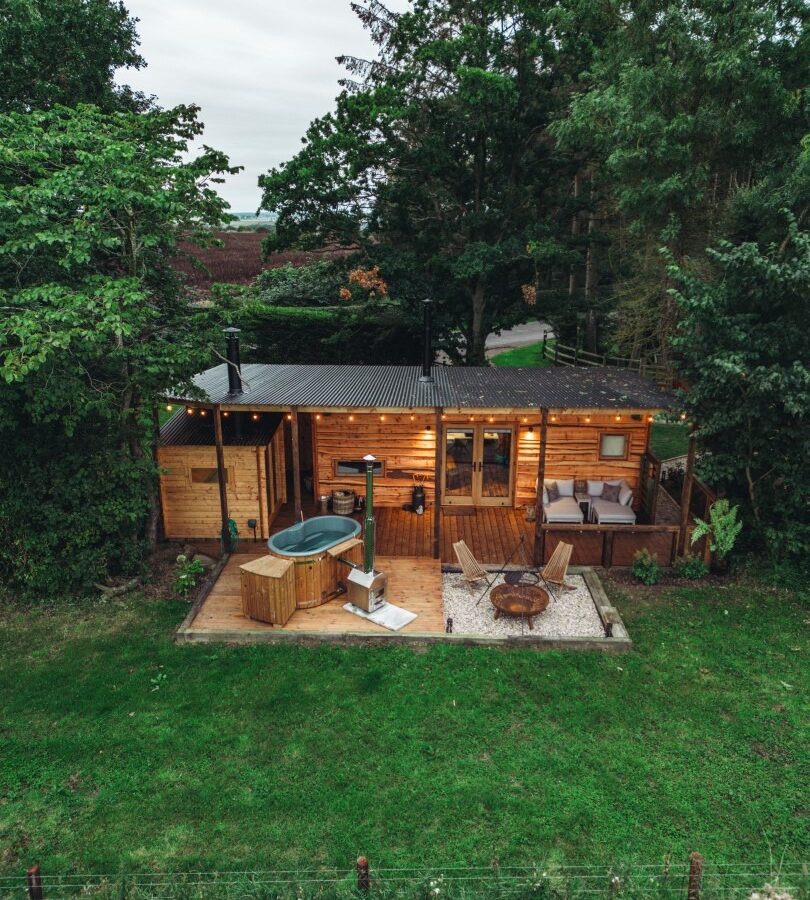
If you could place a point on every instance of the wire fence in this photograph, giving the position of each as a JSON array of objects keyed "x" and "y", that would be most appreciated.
[{"x": 689, "y": 880}]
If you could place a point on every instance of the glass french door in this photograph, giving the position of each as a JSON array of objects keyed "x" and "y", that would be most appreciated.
[{"x": 478, "y": 461}]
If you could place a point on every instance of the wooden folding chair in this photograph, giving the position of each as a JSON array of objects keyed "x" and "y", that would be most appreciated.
[
  {"x": 556, "y": 569},
  {"x": 469, "y": 564}
]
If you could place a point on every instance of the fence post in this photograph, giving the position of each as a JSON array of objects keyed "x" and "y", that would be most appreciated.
[
  {"x": 34, "y": 879},
  {"x": 695, "y": 876},
  {"x": 363, "y": 879},
  {"x": 545, "y": 340},
  {"x": 556, "y": 351}
]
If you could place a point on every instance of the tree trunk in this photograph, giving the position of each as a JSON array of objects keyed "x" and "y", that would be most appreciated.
[
  {"x": 476, "y": 352},
  {"x": 153, "y": 524},
  {"x": 572, "y": 276}
]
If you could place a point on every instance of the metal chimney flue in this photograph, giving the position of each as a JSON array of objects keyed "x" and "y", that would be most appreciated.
[
  {"x": 427, "y": 343},
  {"x": 234, "y": 364}
]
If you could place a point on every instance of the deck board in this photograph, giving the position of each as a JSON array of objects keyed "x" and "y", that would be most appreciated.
[{"x": 414, "y": 584}]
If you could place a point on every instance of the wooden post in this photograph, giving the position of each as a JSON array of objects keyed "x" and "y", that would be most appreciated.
[
  {"x": 363, "y": 878},
  {"x": 686, "y": 494},
  {"x": 34, "y": 880},
  {"x": 222, "y": 476},
  {"x": 437, "y": 490},
  {"x": 296, "y": 460},
  {"x": 695, "y": 876},
  {"x": 607, "y": 549},
  {"x": 538, "y": 503},
  {"x": 543, "y": 348}
]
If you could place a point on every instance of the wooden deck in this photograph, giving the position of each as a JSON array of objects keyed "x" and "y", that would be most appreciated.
[
  {"x": 415, "y": 584},
  {"x": 491, "y": 533}
]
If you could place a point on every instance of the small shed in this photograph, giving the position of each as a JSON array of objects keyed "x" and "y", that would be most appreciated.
[{"x": 255, "y": 473}]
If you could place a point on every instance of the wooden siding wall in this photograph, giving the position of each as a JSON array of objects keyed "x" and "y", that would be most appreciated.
[
  {"x": 402, "y": 442},
  {"x": 407, "y": 447},
  {"x": 573, "y": 452},
  {"x": 192, "y": 510}
]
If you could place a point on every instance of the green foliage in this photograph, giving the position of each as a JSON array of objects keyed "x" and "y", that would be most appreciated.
[
  {"x": 743, "y": 347},
  {"x": 373, "y": 333},
  {"x": 65, "y": 51},
  {"x": 186, "y": 573},
  {"x": 506, "y": 748},
  {"x": 645, "y": 567},
  {"x": 691, "y": 567},
  {"x": 438, "y": 153},
  {"x": 95, "y": 326},
  {"x": 722, "y": 529},
  {"x": 314, "y": 284}
]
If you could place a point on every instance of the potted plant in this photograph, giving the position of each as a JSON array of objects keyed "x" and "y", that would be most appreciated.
[{"x": 720, "y": 531}]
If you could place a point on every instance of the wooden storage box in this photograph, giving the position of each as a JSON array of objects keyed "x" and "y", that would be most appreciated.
[{"x": 268, "y": 589}]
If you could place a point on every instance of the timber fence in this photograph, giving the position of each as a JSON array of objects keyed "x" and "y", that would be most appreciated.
[
  {"x": 684, "y": 879},
  {"x": 566, "y": 355}
]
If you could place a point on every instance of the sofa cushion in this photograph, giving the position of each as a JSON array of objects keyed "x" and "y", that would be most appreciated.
[
  {"x": 595, "y": 488},
  {"x": 625, "y": 495},
  {"x": 545, "y": 495},
  {"x": 608, "y": 513},
  {"x": 566, "y": 510},
  {"x": 610, "y": 492},
  {"x": 566, "y": 487},
  {"x": 552, "y": 491}
]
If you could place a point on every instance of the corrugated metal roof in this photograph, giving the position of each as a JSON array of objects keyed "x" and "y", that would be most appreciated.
[
  {"x": 392, "y": 387},
  {"x": 196, "y": 430}
]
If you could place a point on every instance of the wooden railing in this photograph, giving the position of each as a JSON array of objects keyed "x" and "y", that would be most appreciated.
[
  {"x": 649, "y": 484},
  {"x": 565, "y": 355},
  {"x": 610, "y": 545}
]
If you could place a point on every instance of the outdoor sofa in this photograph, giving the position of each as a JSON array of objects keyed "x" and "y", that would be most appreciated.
[
  {"x": 611, "y": 512},
  {"x": 566, "y": 510}
]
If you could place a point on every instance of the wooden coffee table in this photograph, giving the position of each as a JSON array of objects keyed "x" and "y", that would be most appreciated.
[{"x": 519, "y": 600}]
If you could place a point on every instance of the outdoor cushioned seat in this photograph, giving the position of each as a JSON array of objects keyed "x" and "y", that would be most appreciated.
[
  {"x": 564, "y": 510},
  {"x": 606, "y": 512}
]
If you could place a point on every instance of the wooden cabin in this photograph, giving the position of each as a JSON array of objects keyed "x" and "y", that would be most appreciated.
[{"x": 475, "y": 438}]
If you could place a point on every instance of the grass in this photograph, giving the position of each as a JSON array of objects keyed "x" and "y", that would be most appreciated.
[
  {"x": 669, "y": 439},
  {"x": 120, "y": 750},
  {"x": 530, "y": 355}
]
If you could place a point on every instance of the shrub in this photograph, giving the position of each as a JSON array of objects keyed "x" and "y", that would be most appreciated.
[
  {"x": 689, "y": 566},
  {"x": 186, "y": 574},
  {"x": 721, "y": 529},
  {"x": 645, "y": 567}
]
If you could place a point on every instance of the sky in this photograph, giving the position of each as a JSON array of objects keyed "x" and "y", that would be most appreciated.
[{"x": 261, "y": 71}]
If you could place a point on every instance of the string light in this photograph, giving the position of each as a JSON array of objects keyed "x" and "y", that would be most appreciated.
[
  {"x": 189, "y": 410},
  {"x": 289, "y": 417},
  {"x": 683, "y": 417},
  {"x": 203, "y": 412},
  {"x": 587, "y": 418},
  {"x": 317, "y": 415},
  {"x": 169, "y": 407},
  {"x": 553, "y": 418},
  {"x": 226, "y": 413},
  {"x": 491, "y": 419},
  {"x": 351, "y": 418},
  {"x": 649, "y": 418},
  {"x": 618, "y": 418},
  {"x": 412, "y": 418},
  {"x": 443, "y": 417},
  {"x": 255, "y": 417},
  {"x": 382, "y": 418},
  {"x": 525, "y": 419}
]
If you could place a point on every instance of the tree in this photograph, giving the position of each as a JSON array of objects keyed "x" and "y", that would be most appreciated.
[
  {"x": 438, "y": 154},
  {"x": 65, "y": 51},
  {"x": 685, "y": 105},
  {"x": 95, "y": 323},
  {"x": 743, "y": 346}
]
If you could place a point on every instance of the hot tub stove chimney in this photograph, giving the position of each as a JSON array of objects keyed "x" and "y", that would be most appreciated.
[{"x": 366, "y": 588}]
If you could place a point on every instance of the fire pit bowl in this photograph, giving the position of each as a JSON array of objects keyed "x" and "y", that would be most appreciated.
[{"x": 519, "y": 600}]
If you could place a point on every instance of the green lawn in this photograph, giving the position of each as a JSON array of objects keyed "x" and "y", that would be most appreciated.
[
  {"x": 530, "y": 355},
  {"x": 121, "y": 751},
  {"x": 669, "y": 439}
]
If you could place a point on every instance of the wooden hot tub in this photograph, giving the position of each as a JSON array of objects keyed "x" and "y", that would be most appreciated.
[{"x": 314, "y": 547}]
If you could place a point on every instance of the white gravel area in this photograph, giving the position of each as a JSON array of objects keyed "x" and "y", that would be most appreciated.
[{"x": 572, "y": 615}]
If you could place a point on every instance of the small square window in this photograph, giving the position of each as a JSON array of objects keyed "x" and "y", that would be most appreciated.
[
  {"x": 206, "y": 476},
  {"x": 613, "y": 446}
]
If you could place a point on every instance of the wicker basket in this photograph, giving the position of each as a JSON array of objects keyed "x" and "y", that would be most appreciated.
[{"x": 343, "y": 503}]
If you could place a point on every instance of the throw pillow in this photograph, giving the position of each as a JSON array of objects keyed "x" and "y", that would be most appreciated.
[
  {"x": 625, "y": 495},
  {"x": 553, "y": 492},
  {"x": 610, "y": 492}
]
